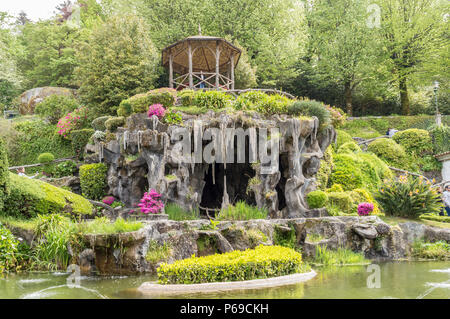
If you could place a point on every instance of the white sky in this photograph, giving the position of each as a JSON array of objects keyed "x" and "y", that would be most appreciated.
[{"x": 35, "y": 9}]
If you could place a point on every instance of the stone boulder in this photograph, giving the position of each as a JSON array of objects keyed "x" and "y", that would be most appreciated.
[{"x": 29, "y": 99}]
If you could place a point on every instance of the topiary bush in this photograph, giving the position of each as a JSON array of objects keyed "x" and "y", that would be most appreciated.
[
  {"x": 187, "y": 97},
  {"x": 389, "y": 151},
  {"x": 4, "y": 174},
  {"x": 341, "y": 200},
  {"x": 46, "y": 158},
  {"x": 29, "y": 197},
  {"x": 342, "y": 138},
  {"x": 311, "y": 108},
  {"x": 212, "y": 99},
  {"x": 55, "y": 107},
  {"x": 114, "y": 122},
  {"x": 93, "y": 180},
  {"x": 317, "y": 199},
  {"x": 346, "y": 172},
  {"x": 99, "y": 123},
  {"x": 415, "y": 141},
  {"x": 79, "y": 140},
  {"x": 261, "y": 262},
  {"x": 349, "y": 147}
]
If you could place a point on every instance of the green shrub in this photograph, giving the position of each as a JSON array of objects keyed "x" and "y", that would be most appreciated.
[
  {"x": 440, "y": 136},
  {"x": 99, "y": 123},
  {"x": 79, "y": 139},
  {"x": 67, "y": 168},
  {"x": 212, "y": 99},
  {"x": 437, "y": 250},
  {"x": 55, "y": 107},
  {"x": 242, "y": 211},
  {"x": 30, "y": 197},
  {"x": 93, "y": 180},
  {"x": 114, "y": 122},
  {"x": 436, "y": 218},
  {"x": 415, "y": 141},
  {"x": 261, "y": 262},
  {"x": 341, "y": 200},
  {"x": 408, "y": 197},
  {"x": 359, "y": 196},
  {"x": 140, "y": 103},
  {"x": 335, "y": 188},
  {"x": 381, "y": 168},
  {"x": 187, "y": 97},
  {"x": 341, "y": 256},
  {"x": 248, "y": 100},
  {"x": 8, "y": 250},
  {"x": 173, "y": 118},
  {"x": 4, "y": 174},
  {"x": 326, "y": 166},
  {"x": 347, "y": 172},
  {"x": 389, "y": 151},
  {"x": 342, "y": 138},
  {"x": 157, "y": 253},
  {"x": 46, "y": 158},
  {"x": 349, "y": 147},
  {"x": 311, "y": 108},
  {"x": 285, "y": 238},
  {"x": 317, "y": 199},
  {"x": 102, "y": 225}
]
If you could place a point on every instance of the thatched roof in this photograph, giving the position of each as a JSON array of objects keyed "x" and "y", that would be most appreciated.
[{"x": 204, "y": 49}]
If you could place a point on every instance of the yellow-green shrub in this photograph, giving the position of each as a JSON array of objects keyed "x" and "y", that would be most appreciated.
[
  {"x": 389, "y": 151},
  {"x": 349, "y": 147},
  {"x": 212, "y": 99},
  {"x": 326, "y": 166},
  {"x": 341, "y": 200},
  {"x": 114, "y": 122},
  {"x": 93, "y": 180},
  {"x": 317, "y": 199},
  {"x": 335, "y": 188},
  {"x": 342, "y": 138},
  {"x": 29, "y": 197},
  {"x": 415, "y": 141},
  {"x": 261, "y": 262},
  {"x": 360, "y": 195},
  {"x": 140, "y": 103}
]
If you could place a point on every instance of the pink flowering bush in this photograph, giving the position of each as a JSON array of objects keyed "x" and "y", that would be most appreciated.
[
  {"x": 151, "y": 203},
  {"x": 365, "y": 209},
  {"x": 73, "y": 121},
  {"x": 338, "y": 117},
  {"x": 156, "y": 109},
  {"x": 108, "y": 200}
]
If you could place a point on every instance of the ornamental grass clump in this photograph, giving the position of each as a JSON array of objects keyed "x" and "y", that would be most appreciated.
[
  {"x": 156, "y": 109},
  {"x": 151, "y": 203},
  {"x": 408, "y": 197},
  {"x": 365, "y": 209},
  {"x": 261, "y": 262}
]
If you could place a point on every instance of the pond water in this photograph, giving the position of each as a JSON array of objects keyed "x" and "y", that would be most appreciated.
[{"x": 397, "y": 280}]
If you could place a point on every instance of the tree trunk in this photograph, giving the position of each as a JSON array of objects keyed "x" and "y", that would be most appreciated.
[
  {"x": 348, "y": 98},
  {"x": 404, "y": 99}
]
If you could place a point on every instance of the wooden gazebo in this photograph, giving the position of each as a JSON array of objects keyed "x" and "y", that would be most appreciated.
[{"x": 201, "y": 62}]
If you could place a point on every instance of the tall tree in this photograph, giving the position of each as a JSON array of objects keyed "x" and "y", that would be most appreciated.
[
  {"x": 412, "y": 33},
  {"x": 341, "y": 44},
  {"x": 118, "y": 60}
]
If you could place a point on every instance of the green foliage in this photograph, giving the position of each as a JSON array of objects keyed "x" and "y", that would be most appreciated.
[
  {"x": 173, "y": 118},
  {"x": 408, "y": 197},
  {"x": 79, "y": 139},
  {"x": 158, "y": 253},
  {"x": 311, "y": 108},
  {"x": 99, "y": 123},
  {"x": 211, "y": 99},
  {"x": 4, "y": 174},
  {"x": 45, "y": 158},
  {"x": 8, "y": 249},
  {"x": 349, "y": 147},
  {"x": 262, "y": 103},
  {"x": 261, "y": 262},
  {"x": 342, "y": 138},
  {"x": 177, "y": 213},
  {"x": 335, "y": 188},
  {"x": 415, "y": 141},
  {"x": 285, "y": 238},
  {"x": 347, "y": 172},
  {"x": 341, "y": 200},
  {"x": 55, "y": 107},
  {"x": 437, "y": 250},
  {"x": 326, "y": 166},
  {"x": 341, "y": 256},
  {"x": 359, "y": 196},
  {"x": 93, "y": 180},
  {"x": 242, "y": 211},
  {"x": 117, "y": 61},
  {"x": 114, "y": 122},
  {"x": 441, "y": 137},
  {"x": 67, "y": 168},
  {"x": 102, "y": 225},
  {"x": 140, "y": 103},
  {"x": 30, "y": 197},
  {"x": 436, "y": 218},
  {"x": 187, "y": 97},
  {"x": 317, "y": 199},
  {"x": 388, "y": 150}
]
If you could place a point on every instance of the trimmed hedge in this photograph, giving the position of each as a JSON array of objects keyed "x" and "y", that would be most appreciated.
[
  {"x": 139, "y": 103},
  {"x": 342, "y": 138},
  {"x": 317, "y": 199},
  {"x": 45, "y": 158},
  {"x": 415, "y": 141},
  {"x": 341, "y": 200},
  {"x": 79, "y": 140},
  {"x": 114, "y": 122},
  {"x": 4, "y": 174},
  {"x": 349, "y": 147},
  {"x": 388, "y": 150},
  {"x": 99, "y": 123},
  {"x": 29, "y": 197},
  {"x": 212, "y": 99},
  {"x": 93, "y": 180},
  {"x": 261, "y": 262}
]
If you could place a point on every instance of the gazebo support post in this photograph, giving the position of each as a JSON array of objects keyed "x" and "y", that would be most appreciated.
[
  {"x": 232, "y": 71},
  {"x": 217, "y": 64},
  {"x": 191, "y": 79},
  {"x": 171, "y": 70}
]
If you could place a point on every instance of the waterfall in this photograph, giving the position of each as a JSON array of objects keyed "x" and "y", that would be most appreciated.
[
  {"x": 100, "y": 152},
  {"x": 139, "y": 141},
  {"x": 125, "y": 140}
]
